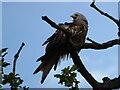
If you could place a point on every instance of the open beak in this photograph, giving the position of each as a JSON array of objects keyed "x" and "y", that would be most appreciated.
[{"x": 73, "y": 16}]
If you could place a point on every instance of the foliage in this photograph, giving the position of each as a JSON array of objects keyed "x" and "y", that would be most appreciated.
[
  {"x": 68, "y": 77},
  {"x": 3, "y": 53},
  {"x": 11, "y": 78}
]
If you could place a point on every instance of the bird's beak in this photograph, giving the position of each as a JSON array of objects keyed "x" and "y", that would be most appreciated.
[{"x": 73, "y": 16}]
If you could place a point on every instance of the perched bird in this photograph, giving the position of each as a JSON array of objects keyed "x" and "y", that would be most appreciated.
[{"x": 57, "y": 45}]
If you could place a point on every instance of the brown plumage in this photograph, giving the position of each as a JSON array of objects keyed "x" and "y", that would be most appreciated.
[{"x": 57, "y": 46}]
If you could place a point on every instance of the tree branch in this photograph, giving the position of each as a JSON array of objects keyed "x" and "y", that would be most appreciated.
[
  {"x": 93, "y": 45},
  {"x": 94, "y": 42},
  {"x": 3, "y": 50},
  {"x": 54, "y": 25},
  {"x": 111, "y": 83},
  {"x": 107, "y": 83},
  {"x": 105, "y": 14},
  {"x": 77, "y": 61},
  {"x": 16, "y": 57},
  {"x": 97, "y": 46}
]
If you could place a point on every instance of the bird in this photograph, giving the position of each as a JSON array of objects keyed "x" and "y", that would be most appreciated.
[{"x": 57, "y": 47}]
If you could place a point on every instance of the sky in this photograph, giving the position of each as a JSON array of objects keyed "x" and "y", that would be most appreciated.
[
  {"x": 21, "y": 22},
  {"x": 59, "y": 0}
]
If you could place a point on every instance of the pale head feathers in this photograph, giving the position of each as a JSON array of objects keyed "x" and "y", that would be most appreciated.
[{"x": 78, "y": 17}]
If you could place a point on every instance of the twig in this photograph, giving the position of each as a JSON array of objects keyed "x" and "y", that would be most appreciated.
[
  {"x": 105, "y": 14},
  {"x": 16, "y": 57},
  {"x": 4, "y": 54},
  {"x": 3, "y": 50},
  {"x": 92, "y": 41}
]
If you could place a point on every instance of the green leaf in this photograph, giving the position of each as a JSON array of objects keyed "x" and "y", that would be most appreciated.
[
  {"x": 73, "y": 68},
  {"x": 4, "y": 82},
  {"x": 68, "y": 77},
  {"x": 57, "y": 75},
  {"x": 3, "y": 50},
  {"x": 66, "y": 71}
]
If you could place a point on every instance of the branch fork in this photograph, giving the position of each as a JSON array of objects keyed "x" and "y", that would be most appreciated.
[{"x": 107, "y": 83}]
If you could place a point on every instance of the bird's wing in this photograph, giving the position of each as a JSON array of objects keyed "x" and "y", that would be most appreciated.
[
  {"x": 57, "y": 36},
  {"x": 57, "y": 47},
  {"x": 78, "y": 30}
]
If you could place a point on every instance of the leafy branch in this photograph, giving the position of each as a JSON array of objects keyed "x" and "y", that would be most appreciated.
[
  {"x": 68, "y": 77},
  {"x": 12, "y": 78}
]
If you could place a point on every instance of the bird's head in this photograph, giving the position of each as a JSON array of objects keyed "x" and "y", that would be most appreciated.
[{"x": 77, "y": 17}]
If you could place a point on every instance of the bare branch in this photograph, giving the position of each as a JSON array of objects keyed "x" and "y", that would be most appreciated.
[
  {"x": 93, "y": 45},
  {"x": 97, "y": 46},
  {"x": 77, "y": 61},
  {"x": 92, "y": 41},
  {"x": 111, "y": 83},
  {"x": 4, "y": 54},
  {"x": 105, "y": 14},
  {"x": 54, "y": 25},
  {"x": 107, "y": 83},
  {"x": 3, "y": 50},
  {"x": 16, "y": 57}
]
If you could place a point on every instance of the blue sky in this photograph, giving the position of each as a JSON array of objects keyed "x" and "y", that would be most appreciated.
[{"x": 21, "y": 22}]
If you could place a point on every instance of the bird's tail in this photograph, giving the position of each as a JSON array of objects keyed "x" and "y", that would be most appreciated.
[{"x": 48, "y": 60}]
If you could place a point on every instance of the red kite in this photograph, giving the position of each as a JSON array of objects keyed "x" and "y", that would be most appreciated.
[{"x": 57, "y": 45}]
